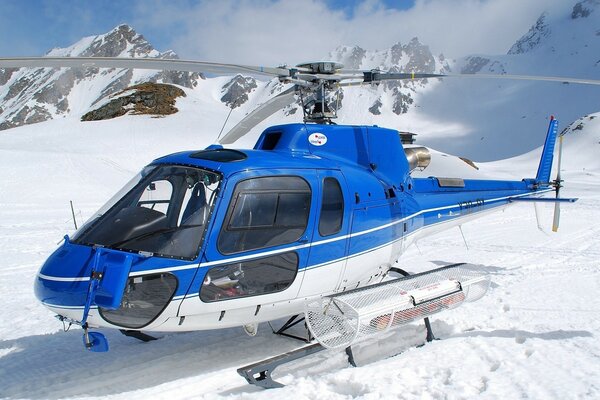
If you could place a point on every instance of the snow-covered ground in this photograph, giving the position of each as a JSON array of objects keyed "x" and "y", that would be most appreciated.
[{"x": 533, "y": 335}]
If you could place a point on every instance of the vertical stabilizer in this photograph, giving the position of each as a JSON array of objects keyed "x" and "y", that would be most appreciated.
[{"x": 545, "y": 167}]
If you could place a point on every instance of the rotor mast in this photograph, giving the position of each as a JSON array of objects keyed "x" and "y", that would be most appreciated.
[{"x": 319, "y": 91}]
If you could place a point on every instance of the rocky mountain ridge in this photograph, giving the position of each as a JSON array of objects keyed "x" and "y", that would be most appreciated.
[
  {"x": 35, "y": 95},
  {"x": 409, "y": 57},
  {"x": 445, "y": 113}
]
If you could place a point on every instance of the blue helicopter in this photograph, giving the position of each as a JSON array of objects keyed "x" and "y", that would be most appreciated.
[{"x": 220, "y": 237}]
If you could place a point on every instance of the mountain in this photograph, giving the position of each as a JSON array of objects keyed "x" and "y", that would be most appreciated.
[
  {"x": 481, "y": 119},
  {"x": 412, "y": 56},
  {"x": 503, "y": 115},
  {"x": 35, "y": 95}
]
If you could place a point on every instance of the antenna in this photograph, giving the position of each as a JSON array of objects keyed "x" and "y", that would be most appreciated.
[{"x": 224, "y": 123}]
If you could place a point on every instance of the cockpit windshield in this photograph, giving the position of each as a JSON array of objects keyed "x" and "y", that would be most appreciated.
[{"x": 163, "y": 211}]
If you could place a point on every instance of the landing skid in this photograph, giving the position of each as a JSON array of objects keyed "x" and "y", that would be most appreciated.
[{"x": 259, "y": 373}]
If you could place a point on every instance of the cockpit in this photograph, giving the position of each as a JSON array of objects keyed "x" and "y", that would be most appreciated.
[{"x": 163, "y": 211}]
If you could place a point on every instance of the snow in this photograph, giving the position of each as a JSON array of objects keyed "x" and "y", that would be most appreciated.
[{"x": 533, "y": 335}]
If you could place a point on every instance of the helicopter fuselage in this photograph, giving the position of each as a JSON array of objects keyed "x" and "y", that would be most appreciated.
[{"x": 219, "y": 238}]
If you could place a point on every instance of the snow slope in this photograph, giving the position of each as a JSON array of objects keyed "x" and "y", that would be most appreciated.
[{"x": 534, "y": 335}]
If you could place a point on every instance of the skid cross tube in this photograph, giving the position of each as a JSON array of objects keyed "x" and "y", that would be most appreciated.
[{"x": 293, "y": 321}]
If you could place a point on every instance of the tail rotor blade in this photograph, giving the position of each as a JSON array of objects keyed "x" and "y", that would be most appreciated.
[
  {"x": 558, "y": 185},
  {"x": 560, "y": 143},
  {"x": 556, "y": 220}
]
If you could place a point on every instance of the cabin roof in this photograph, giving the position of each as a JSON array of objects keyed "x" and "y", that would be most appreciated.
[{"x": 309, "y": 146}]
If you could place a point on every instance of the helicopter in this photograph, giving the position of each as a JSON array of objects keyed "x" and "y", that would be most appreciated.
[{"x": 221, "y": 237}]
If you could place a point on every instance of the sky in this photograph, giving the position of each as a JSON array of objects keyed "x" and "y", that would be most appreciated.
[{"x": 273, "y": 32}]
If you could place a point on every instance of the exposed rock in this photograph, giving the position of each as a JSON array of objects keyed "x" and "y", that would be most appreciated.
[
  {"x": 235, "y": 92},
  {"x": 45, "y": 91},
  {"x": 402, "y": 102},
  {"x": 421, "y": 59},
  {"x": 532, "y": 38},
  {"x": 351, "y": 56},
  {"x": 148, "y": 98},
  {"x": 6, "y": 74},
  {"x": 375, "y": 109},
  {"x": 583, "y": 9},
  {"x": 474, "y": 64},
  {"x": 411, "y": 57},
  {"x": 120, "y": 41},
  {"x": 26, "y": 115}
]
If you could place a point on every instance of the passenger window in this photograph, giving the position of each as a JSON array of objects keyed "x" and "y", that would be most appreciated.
[
  {"x": 265, "y": 212},
  {"x": 254, "y": 210},
  {"x": 250, "y": 278},
  {"x": 332, "y": 209}
]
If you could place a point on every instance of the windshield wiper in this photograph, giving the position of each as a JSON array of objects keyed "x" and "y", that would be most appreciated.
[{"x": 152, "y": 233}]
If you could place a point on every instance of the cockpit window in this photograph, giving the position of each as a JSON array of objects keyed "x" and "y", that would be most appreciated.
[{"x": 164, "y": 213}]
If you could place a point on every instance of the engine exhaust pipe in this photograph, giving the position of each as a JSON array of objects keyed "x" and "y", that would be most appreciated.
[{"x": 418, "y": 157}]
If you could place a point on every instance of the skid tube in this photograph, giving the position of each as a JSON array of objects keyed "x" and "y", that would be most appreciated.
[{"x": 259, "y": 373}]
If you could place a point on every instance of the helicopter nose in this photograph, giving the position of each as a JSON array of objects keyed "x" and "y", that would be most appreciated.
[{"x": 63, "y": 280}]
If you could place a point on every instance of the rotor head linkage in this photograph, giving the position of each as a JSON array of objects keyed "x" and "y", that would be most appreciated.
[{"x": 322, "y": 67}]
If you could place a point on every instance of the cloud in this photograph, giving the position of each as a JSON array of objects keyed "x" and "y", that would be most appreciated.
[{"x": 271, "y": 32}]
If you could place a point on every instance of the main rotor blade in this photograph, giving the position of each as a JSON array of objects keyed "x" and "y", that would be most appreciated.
[
  {"x": 258, "y": 115},
  {"x": 561, "y": 79},
  {"x": 374, "y": 76},
  {"x": 139, "y": 63}
]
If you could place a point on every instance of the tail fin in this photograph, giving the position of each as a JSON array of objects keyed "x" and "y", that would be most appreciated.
[{"x": 545, "y": 167}]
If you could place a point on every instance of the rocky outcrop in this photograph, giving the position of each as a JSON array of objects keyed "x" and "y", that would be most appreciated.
[
  {"x": 409, "y": 57},
  {"x": 533, "y": 38},
  {"x": 375, "y": 109},
  {"x": 583, "y": 9},
  {"x": 236, "y": 91},
  {"x": 474, "y": 64},
  {"x": 148, "y": 98}
]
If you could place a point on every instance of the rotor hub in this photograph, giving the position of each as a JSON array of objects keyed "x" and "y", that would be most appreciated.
[{"x": 322, "y": 67}]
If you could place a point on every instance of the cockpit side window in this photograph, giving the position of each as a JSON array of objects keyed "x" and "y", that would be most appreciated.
[
  {"x": 332, "y": 208},
  {"x": 265, "y": 212}
]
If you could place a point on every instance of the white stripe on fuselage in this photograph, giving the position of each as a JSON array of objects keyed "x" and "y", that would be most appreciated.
[{"x": 302, "y": 246}]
